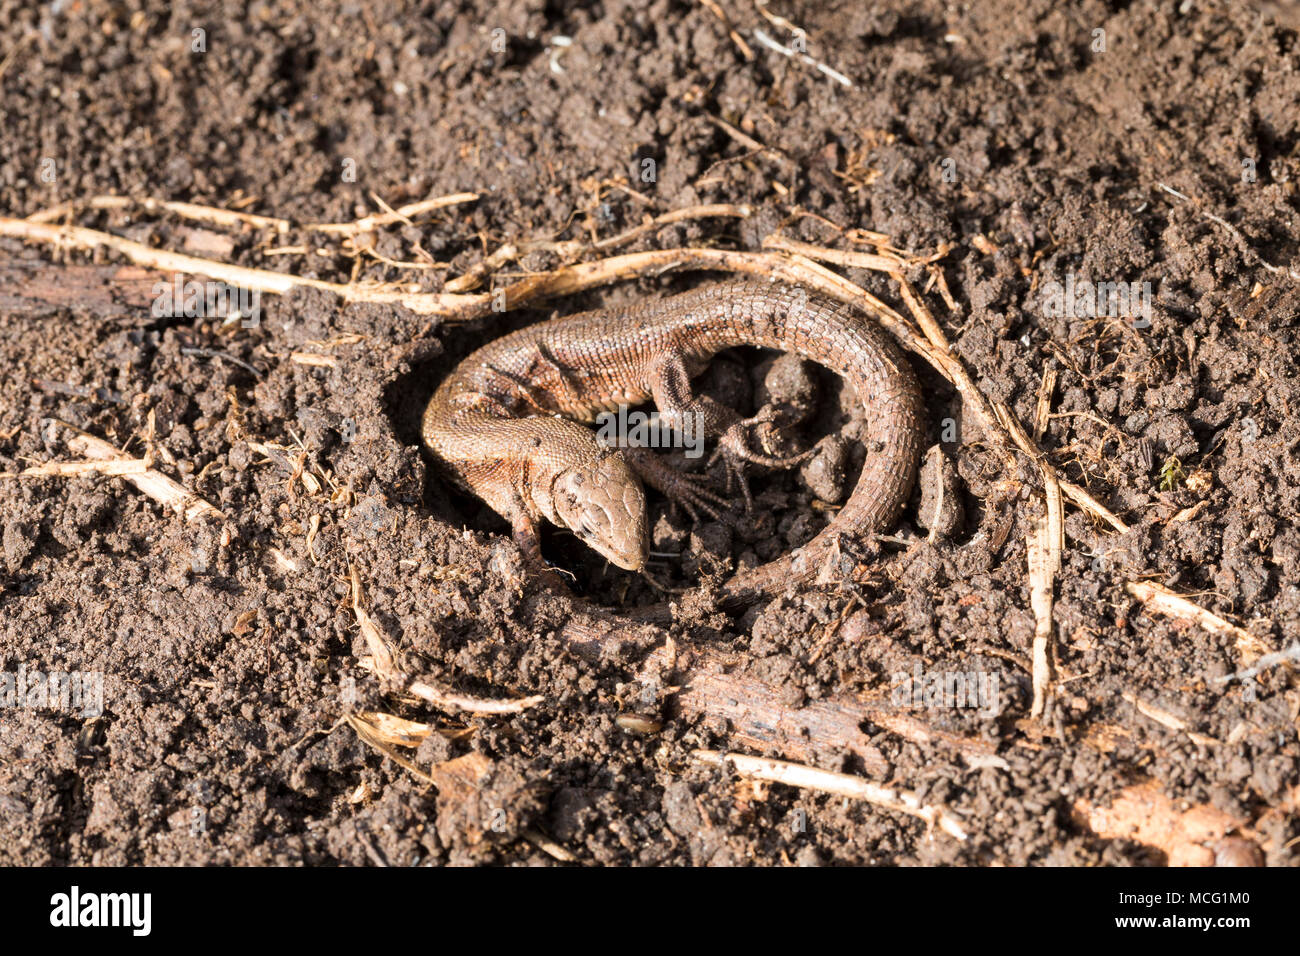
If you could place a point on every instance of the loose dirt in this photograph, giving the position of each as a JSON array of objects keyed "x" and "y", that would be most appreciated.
[{"x": 230, "y": 651}]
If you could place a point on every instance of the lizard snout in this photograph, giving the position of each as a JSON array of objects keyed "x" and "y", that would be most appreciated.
[{"x": 603, "y": 503}]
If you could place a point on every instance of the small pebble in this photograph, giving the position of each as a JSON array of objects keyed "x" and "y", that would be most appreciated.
[{"x": 825, "y": 473}]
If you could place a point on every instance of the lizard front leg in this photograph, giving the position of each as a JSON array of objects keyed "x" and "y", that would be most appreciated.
[
  {"x": 524, "y": 530},
  {"x": 676, "y": 485}
]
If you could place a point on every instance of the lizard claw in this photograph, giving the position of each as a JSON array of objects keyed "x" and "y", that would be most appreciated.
[
  {"x": 688, "y": 491},
  {"x": 694, "y": 496},
  {"x": 733, "y": 448}
]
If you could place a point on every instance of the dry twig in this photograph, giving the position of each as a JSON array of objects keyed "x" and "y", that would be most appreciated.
[
  {"x": 1161, "y": 600},
  {"x": 105, "y": 459},
  {"x": 799, "y": 775}
]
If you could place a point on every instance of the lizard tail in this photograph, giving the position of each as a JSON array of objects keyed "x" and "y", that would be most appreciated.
[{"x": 790, "y": 318}]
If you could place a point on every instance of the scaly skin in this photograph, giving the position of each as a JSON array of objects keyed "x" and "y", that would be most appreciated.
[{"x": 505, "y": 423}]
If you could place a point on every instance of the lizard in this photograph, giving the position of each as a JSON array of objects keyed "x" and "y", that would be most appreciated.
[{"x": 507, "y": 423}]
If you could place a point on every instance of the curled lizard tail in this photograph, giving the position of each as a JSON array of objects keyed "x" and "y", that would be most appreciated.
[{"x": 792, "y": 319}]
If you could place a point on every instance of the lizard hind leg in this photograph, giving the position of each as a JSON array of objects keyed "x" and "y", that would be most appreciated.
[
  {"x": 734, "y": 449},
  {"x": 735, "y": 443},
  {"x": 734, "y": 446},
  {"x": 702, "y": 417}
]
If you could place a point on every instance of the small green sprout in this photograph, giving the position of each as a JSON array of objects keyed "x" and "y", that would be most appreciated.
[{"x": 1172, "y": 475}]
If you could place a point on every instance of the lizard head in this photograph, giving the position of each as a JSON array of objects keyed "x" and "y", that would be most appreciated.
[{"x": 603, "y": 503}]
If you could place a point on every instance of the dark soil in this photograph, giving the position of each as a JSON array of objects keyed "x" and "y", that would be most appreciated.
[{"x": 229, "y": 651}]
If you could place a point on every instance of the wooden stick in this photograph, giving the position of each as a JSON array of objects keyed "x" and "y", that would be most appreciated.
[
  {"x": 707, "y": 685},
  {"x": 402, "y": 214},
  {"x": 799, "y": 775},
  {"x": 838, "y": 257},
  {"x": 112, "y": 292},
  {"x": 260, "y": 280},
  {"x": 185, "y": 210},
  {"x": 1044, "y": 562},
  {"x": 455, "y": 703},
  {"x": 1161, "y": 600},
  {"x": 106, "y": 459}
]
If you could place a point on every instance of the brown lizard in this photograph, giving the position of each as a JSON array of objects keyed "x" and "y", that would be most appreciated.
[{"x": 505, "y": 423}]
